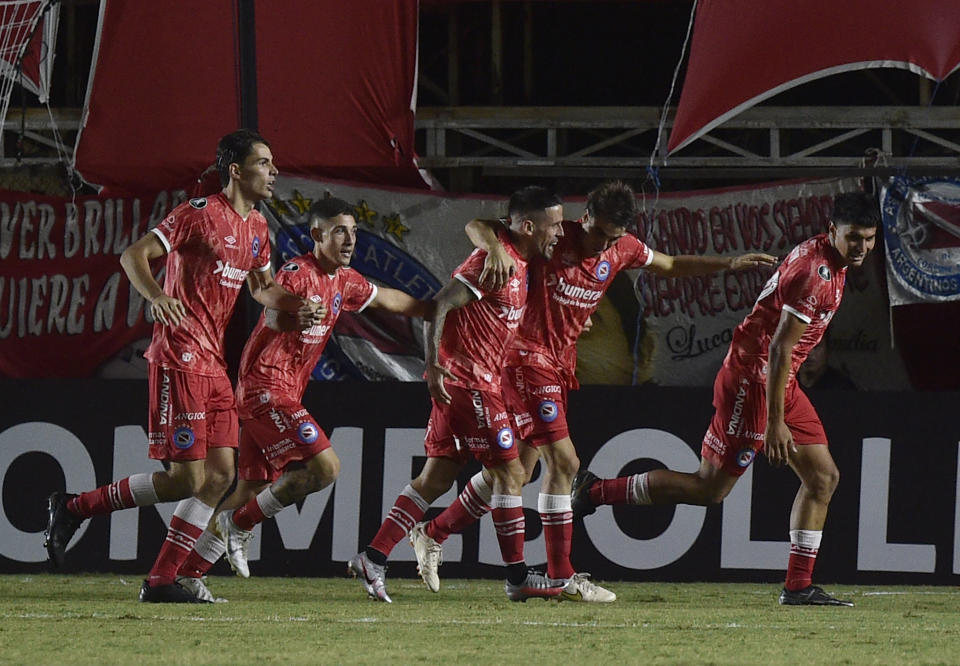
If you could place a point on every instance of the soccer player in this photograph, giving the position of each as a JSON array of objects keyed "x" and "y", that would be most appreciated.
[
  {"x": 760, "y": 407},
  {"x": 541, "y": 363},
  {"x": 276, "y": 429},
  {"x": 212, "y": 246},
  {"x": 465, "y": 347}
]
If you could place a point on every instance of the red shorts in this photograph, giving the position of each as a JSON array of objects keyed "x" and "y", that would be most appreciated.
[
  {"x": 189, "y": 413},
  {"x": 274, "y": 439},
  {"x": 474, "y": 423},
  {"x": 736, "y": 431},
  {"x": 537, "y": 397}
]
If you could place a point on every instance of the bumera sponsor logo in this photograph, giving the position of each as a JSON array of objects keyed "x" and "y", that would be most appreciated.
[
  {"x": 511, "y": 313},
  {"x": 230, "y": 272},
  {"x": 574, "y": 291}
]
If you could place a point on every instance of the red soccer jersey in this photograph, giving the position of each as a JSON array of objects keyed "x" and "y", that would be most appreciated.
[
  {"x": 564, "y": 292},
  {"x": 809, "y": 285},
  {"x": 275, "y": 367},
  {"x": 475, "y": 336},
  {"x": 210, "y": 250}
]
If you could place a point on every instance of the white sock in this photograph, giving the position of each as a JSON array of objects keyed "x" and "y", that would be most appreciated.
[
  {"x": 639, "y": 489},
  {"x": 142, "y": 489},
  {"x": 269, "y": 504},
  {"x": 415, "y": 496},
  {"x": 209, "y": 546}
]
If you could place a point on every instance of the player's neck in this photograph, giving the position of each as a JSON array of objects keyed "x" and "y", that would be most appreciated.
[
  {"x": 326, "y": 265},
  {"x": 240, "y": 203},
  {"x": 523, "y": 245}
]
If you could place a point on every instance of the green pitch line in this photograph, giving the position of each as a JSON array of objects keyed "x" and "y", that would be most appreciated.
[{"x": 97, "y": 619}]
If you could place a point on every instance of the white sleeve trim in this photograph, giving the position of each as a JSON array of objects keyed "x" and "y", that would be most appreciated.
[
  {"x": 264, "y": 268},
  {"x": 799, "y": 315},
  {"x": 373, "y": 295},
  {"x": 163, "y": 239},
  {"x": 649, "y": 256},
  {"x": 470, "y": 285}
]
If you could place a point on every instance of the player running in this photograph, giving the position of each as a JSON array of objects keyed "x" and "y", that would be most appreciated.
[
  {"x": 466, "y": 344},
  {"x": 212, "y": 246},
  {"x": 541, "y": 364},
  {"x": 760, "y": 407},
  {"x": 276, "y": 429}
]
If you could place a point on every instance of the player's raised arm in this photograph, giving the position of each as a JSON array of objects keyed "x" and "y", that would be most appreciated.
[
  {"x": 136, "y": 264},
  {"x": 778, "y": 442},
  {"x": 399, "y": 302},
  {"x": 685, "y": 265},
  {"x": 499, "y": 266},
  {"x": 454, "y": 295},
  {"x": 269, "y": 294}
]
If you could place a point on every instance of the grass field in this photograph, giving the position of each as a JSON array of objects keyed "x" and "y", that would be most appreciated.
[{"x": 50, "y": 619}]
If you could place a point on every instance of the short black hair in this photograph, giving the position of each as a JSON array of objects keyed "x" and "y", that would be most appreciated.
[
  {"x": 234, "y": 149},
  {"x": 324, "y": 209},
  {"x": 857, "y": 208},
  {"x": 613, "y": 202},
  {"x": 531, "y": 199}
]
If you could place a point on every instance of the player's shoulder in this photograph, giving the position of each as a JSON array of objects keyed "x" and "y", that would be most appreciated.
[{"x": 300, "y": 264}]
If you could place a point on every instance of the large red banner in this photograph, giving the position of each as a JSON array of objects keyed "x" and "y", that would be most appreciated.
[{"x": 66, "y": 305}]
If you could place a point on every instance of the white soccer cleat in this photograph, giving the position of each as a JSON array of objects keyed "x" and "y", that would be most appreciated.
[
  {"x": 581, "y": 588},
  {"x": 373, "y": 576},
  {"x": 236, "y": 541},
  {"x": 199, "y": 588},
  {"x": 429, "y": 556}
]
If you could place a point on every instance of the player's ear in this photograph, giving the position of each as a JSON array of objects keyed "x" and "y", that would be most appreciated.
[
  {"x": 316, "y": 233},
  {"x": 527, "y": 226},
  {"x": 234, "y": 170}
]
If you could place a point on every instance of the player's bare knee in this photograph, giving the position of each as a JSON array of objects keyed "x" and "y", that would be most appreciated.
[
  {"x": 823, "y": 482},
  {"x": 216, "y": 481}
]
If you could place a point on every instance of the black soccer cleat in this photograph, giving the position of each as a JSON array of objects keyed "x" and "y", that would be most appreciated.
[
  {"x": 174, "y": 593},
  {"x": 580, "y": 502},
  {"x": 61, "y": 526},
  {"x": 811, "y": 595}
]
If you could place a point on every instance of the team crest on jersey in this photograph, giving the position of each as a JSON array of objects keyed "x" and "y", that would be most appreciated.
[
  {"x": 183, "y": 438},
  {"x": 337, "y": 302},
  {"x": 745, "y": 457},
  {"x": 548, "y": 411},
  {"x": 505, "y": 438},
  {"x": 199, "y": 203},
  {"x": 255, "y": 247},
  {"x": 308, "y": 433},
  {"x": 290, "y": 267},
  {"x": 824, "y": 272},
  {"x": 603, "y": 270}
]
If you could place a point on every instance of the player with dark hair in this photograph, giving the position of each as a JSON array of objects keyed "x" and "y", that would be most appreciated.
[
  {"x": 465, "y": 348},
  {"x": 276, "y": 429},
  {"x": 212, "y": 246},
  {"x": 760, "y": 407},
  {"x": 541, "y": 363}
]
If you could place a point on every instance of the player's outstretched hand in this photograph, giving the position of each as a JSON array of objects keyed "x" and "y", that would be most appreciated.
[
  {"x": 752, "y": 260},
  {"x": 778, "y": 443},
  {"x": 167, "y": 310},
  {"x": 498, "y": 268},
  {"x": 435, "y": 376}
]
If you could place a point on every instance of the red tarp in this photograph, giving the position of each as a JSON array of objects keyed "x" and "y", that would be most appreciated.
[
  {"x": 334, "y": 83},
  {"x": 746, "y": 51}
]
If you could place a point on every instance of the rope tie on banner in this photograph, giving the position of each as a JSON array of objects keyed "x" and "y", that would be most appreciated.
[{"x": 653, "y": 176}]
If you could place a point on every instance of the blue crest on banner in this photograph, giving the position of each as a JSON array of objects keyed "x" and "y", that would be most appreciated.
[{"x": 921, "y": 231}]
